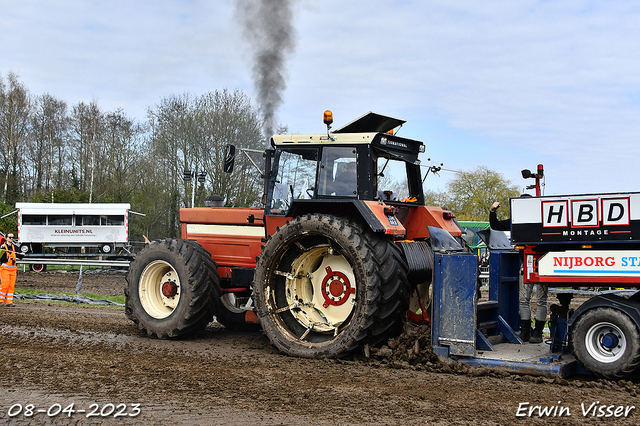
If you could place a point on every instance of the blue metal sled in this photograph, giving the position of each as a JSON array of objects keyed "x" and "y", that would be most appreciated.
[{"x": 483, "y": 334}]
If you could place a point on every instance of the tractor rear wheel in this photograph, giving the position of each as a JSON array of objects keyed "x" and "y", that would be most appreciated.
[
  {"x": 606, "y": 342},
  {"x": 173, "y": 289},
  {"x": 325, "y": 285}
]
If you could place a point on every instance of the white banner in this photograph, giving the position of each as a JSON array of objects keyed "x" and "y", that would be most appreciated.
[{"x": 590, "y": 263}]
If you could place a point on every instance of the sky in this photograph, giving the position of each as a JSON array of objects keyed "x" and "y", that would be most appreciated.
[{"x": 503, "y": 84}]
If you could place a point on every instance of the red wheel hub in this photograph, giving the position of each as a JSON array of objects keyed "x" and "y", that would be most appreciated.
[
  {"x": 335, "y": 288},
  {"x": 169, "y": 289}
]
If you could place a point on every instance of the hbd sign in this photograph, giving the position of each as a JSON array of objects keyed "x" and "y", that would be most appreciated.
[
  {"x": 583, "y": 218},
  {"x": 585, "y": 213}
]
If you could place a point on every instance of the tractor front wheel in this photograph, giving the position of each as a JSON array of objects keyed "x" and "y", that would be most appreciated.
[
  {"x": 325, "y": 285},
  {"x": 173, "y": 289}
]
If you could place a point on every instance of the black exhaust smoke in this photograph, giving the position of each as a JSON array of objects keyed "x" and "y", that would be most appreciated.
[{"x": 267, "y": 26}]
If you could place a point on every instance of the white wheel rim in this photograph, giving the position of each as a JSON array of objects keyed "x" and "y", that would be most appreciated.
[
  {"x": 154, "y": 302},
  {"x": 598, "y": 342},
  {"x": 304, "y": 292}
]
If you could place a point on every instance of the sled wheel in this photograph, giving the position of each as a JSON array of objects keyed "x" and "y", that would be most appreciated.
[
  {"x": 325, "y": 286},
  {"x": 607, "y": 343},
  {"x": 173, "y": 289}
]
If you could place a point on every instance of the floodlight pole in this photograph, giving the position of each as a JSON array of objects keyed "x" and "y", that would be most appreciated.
[{"x": 190, "y": 176}]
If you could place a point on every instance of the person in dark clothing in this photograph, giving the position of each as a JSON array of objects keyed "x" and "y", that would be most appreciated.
[
  {"x": 498, "y": 225},
  {"x": 525, "y": 292}
]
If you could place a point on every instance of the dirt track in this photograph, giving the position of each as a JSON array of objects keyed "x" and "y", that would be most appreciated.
[{"x": 55, "y": 354}]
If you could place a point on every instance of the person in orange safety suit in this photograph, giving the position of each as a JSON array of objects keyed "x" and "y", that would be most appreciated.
[{"x": 8, "y": 271}]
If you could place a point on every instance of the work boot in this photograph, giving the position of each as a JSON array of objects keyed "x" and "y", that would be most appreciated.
[
  {"x": 525, "y": 330},
  {"x": 536, "y": 336}
]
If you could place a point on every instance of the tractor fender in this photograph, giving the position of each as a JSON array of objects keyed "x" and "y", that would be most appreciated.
[
  {"x": 629, "y": 307},
  {"x": 372, "y": 213}
]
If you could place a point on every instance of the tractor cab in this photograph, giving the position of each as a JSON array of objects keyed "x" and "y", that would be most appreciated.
[
  {"x": 361, "y": 170},
  {"x": 355, "y": 162}
]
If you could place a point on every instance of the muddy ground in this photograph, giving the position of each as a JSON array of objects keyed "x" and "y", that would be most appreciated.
[{"x": 62, "y": 354}]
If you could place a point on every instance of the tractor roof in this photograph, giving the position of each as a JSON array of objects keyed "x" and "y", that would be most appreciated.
[
  {"x": 371, "y": 122},
  {"x": 360, "y": 131}
]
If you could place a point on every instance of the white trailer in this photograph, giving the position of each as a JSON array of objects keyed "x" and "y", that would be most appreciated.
[{"x": 75, "y": 225}]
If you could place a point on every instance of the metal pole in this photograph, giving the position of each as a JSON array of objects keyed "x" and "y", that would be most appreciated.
[
  {"x": 9, "y": 214},
  {"x": 193, "y": 190}
]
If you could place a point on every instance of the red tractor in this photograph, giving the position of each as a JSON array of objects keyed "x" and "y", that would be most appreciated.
[{"x": 334, "y": 261}]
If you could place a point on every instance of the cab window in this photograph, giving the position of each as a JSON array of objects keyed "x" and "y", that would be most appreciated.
[
  {"x": 338, "y": 176},
  {"x": 296, "y": 177},
  {"x": 392, "y": 183}
]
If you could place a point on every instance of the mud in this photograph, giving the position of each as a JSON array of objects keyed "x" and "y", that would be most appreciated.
[{"x": 62, "y": 354}]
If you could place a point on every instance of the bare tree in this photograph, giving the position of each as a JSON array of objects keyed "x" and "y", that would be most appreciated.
[
  {"x": 86, "y": 132},
  {"x": 229, "y": 118},
  {"x": 15, "y": 107},
  {"x": 121, "y": 148},
  {"x": 190, "y": 133},
  {"x": 172, "y": 135},
  {"x": 49, "y": 138}
]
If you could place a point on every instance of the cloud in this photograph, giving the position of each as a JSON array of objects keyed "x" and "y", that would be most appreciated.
[
  {"x": 535, "y": 80},
  {"x": 126, "y": 54}
]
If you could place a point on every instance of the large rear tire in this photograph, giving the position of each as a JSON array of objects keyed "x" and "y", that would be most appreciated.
[
  {"x": 325, "y": 286},
  {"x": 606, "y": 342},
  {"x": 173, "y": 289}
]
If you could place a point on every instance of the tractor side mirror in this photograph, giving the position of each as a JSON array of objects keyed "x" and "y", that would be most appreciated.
[{"x": 229, "y": 158}]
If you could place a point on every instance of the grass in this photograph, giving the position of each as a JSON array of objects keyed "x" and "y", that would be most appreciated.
[
  {"x": 62, "y": 268},
  {"x": 117, "y": 299}
]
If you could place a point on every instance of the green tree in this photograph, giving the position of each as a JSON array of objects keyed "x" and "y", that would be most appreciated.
[
  {"x": 434, "y": 198},
  {"x": 9, "y": 222},
  {"x": 470, "y": 194},
  {"x": 61, "y": 195}
]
